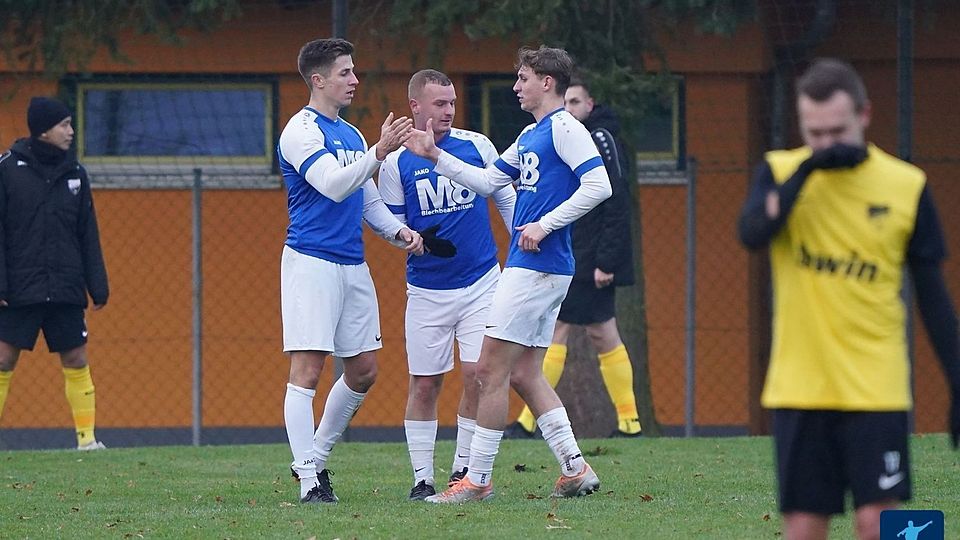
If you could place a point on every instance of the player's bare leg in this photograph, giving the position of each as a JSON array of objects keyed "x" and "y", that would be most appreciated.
[
  {"x": 466, "y": 422},
  {"x": 805, "y": 526},
  {"x": 552, "y": 366},
  {"x": 345, "y": 397},
  {"x": 577, "y": 477},
  {"x": 497, "y": 358},
  {"x": 867, "y": 519}
]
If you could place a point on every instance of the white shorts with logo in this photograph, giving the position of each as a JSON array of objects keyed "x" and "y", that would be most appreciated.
[
  {"x": 434, "y": 317},
  {"x": 327, "y": 306},
  {"x": 525, "y": 306}
]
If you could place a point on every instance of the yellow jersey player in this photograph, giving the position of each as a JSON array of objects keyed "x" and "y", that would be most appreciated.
[{"x": 841, "y": 217}]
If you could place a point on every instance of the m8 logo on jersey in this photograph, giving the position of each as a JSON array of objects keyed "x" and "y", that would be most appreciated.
[
  {"x": 346, "y": 157},
  {"x": 448, "y": 194},
  {"x": 529, "y": 175}
]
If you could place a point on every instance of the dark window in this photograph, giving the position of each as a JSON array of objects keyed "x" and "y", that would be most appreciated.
[
  {"x": 660, "y": 136},
  {"x": 495, "y": 111},
  {"x": 173, "y": 120}
]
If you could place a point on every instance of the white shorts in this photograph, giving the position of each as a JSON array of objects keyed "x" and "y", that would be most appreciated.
[
  {"x": 435, "y": 317},
  {"x": 326, "y": 306},
  {"x": 525, "y": 306}
]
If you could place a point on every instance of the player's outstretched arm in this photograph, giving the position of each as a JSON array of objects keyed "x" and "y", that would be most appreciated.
[
  {"x": 323, "y": 170},
  {"x": 483, "y": 181}
]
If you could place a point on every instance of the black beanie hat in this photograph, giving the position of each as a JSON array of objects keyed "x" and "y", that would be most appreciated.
[{"x": 44, "y": 113}]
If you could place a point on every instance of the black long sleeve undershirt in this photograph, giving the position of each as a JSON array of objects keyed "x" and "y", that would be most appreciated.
[
  {"x": 925, "y": 252},
  {"x": 755, "y": 227},
  {"x": 939, "y": 318}
]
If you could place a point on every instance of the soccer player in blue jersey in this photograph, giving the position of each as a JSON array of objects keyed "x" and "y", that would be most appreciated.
[
  {"x": 560, "y": 177},
  {"x": 328, "y": 303},
  {"x": 447, "y": 298}
]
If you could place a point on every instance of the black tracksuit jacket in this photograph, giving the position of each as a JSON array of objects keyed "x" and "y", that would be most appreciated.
[
  {"x": 49, "y": 242},
  {"x": 602, "y": 238}
]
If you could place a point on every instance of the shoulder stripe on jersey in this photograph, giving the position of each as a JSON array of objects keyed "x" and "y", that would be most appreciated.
[
  {"x": 397, "y": 208},
  {"x": 507, "y": 169},
  {"x": 311, "y": 160},
  {"x": 588, "y": 165}
]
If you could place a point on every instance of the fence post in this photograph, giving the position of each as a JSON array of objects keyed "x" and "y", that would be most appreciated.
[
  {"x": 691, "y": 292},
  {"x": 197, "y": 305}
]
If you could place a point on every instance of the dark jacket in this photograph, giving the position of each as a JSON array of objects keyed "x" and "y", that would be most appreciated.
[
  {"x": 602, "y": 238},
  {"x": 49, "y": 243}
]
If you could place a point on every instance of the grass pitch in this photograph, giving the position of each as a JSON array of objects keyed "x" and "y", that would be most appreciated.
[{"x": 651, "y": 488}]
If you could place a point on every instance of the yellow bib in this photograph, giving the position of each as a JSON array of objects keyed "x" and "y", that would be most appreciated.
[{"x": 838, "y": 334}]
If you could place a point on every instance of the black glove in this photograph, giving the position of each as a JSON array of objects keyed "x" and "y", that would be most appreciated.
[
  {"x": 441, "y": 247},
  {"x": 838, "y": 156}
]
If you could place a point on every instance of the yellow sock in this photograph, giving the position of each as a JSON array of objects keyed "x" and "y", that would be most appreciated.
[
  {"x": 5, "y": 377},
  {"x": 617, "y": 375},
  {"x": 80, "y": 394},
  {"x": 553, "y": 363}
]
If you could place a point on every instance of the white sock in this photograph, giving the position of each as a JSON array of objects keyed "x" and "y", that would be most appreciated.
[
  {"x": 465, "y": 429},
  {"x": 556, "y": 430},
  {"x": 421, "y": 440},
  {"x": 342, "y": 403},
  {"x": 298, "y": 417},
  {"x": 483, "y": 450}
]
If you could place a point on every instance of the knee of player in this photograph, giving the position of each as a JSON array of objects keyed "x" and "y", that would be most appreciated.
[
  {"x": 7, "y": 362},
  {"x": 364, "y": 379},
  {"x": 74, "y": 358},
  {"x": 425, "y": 388},
  {"x": 520, "y": 381}
]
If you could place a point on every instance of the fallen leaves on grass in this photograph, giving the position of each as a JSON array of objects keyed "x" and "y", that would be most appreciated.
[
  {"x": 646, "y": 497},
  {"x": 555, "y": 522},
  {"x": 520, "y": 467},
  {"x": 532, "y": 496}
]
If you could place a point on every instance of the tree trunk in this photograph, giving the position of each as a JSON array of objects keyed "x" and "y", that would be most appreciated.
[{"x": 581, "y": 387}]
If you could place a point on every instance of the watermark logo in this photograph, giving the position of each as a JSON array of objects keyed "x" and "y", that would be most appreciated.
[{"x": 911, "y": 525}]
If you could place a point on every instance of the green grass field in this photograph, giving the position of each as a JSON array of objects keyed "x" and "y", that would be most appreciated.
[{"x": 651, "y": 488}]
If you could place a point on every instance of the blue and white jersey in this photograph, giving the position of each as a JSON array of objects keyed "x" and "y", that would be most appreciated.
[
  {"x": 548, "y": 159},
  {"x": 414, "y": 192},
  {"x": 324, "y": 222}
]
